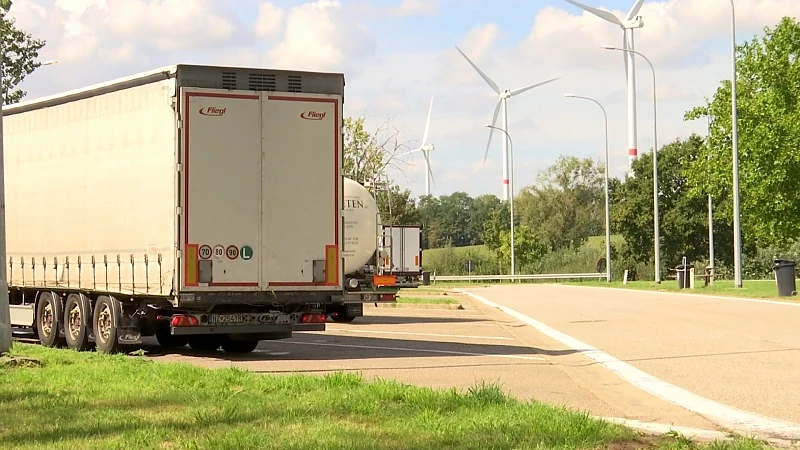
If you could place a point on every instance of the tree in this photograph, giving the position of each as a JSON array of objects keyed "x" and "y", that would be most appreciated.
[
  {"x": 20, "y": 51},
  {"x": 368, "y": 154},
  {"x": 397, "y": 207},
  {"x": 529, "y": 247},
  {"x": 498, "y": 222},
  {"x": 769, "y": 137},
  {"x": 567, "y": 204},
  {"x": 683, "y": 212}
]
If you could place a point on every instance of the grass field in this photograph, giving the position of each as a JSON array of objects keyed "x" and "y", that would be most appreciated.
[
  {"x": 433, "y": 300},
  {"x": 765, "y": 289},
  {"x": 90, "y": 400}
]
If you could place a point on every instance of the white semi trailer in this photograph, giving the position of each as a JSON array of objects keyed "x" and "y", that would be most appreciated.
[{"x": 199, "y": 204}]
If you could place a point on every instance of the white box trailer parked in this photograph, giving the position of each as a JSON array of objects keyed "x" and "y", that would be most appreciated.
[
  {"x": 199, "y": 204},
  {"x": 401, "y": 251}
]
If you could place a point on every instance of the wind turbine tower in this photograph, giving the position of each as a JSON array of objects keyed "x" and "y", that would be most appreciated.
[
  {"x": 426, "y": 148},
  {"x": 502, "y": 101},
  {"x": 631, "y": 21}
]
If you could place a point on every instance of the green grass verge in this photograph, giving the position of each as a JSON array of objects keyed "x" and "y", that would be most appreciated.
[
  {"x": 428, "y": 300},
  {"x": 96, "y": 401},
  {"x": 91, "y": 400},
  {"x": 764, "y": 289}
]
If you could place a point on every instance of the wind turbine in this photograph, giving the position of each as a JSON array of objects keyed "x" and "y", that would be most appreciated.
[
  {"x": 502, "y": 101},
  {"x": 628, "y": 24},
  {"x": 426, "y": 149}
]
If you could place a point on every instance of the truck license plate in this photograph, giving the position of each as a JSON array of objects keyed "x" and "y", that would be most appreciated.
[{"x": 244, "y": 319}]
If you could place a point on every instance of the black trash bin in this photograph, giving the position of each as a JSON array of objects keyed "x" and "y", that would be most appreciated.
[
  {"x": 683, "y": 275},
  {"x": 785, "y": 276},
  {"x": 426, "y": 277}
]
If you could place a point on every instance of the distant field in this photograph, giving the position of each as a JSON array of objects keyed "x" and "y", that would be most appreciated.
[
  {"x": 766, "y": 289},
  {"x": 452, "y": 260}
]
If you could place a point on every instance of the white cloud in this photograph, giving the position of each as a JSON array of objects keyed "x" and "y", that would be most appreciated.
[
  {"x": 321, "y": 36},
  {"x": 687, "y": 40},
  {"x": 414, "y": 8},
  {"x": 269, "y": 21}
]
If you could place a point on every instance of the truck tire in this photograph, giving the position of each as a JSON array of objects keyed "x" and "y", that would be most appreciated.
[
  {"x": 77, "y": 322},
  {"x": 49, "y": 320},
  {"x": 107, "y": 312},
  {"x": 232, "y": 346},
  {"x": 167, "y": 340},
  {"x": 205, "y": 342}
]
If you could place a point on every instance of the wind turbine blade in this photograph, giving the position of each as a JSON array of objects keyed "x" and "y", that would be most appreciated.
[
  {"x": 605, "y": 15},
  {"x": 634, "y": 10},
  {"x": 491, "y": 130},
  {"x": 427, "y": 124},
  {"x": 521, "y": 90},
  {"x": 486, "y": 78}
]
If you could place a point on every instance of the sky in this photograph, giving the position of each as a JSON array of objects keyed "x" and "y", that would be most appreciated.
[{"x": 398, "y": 54}]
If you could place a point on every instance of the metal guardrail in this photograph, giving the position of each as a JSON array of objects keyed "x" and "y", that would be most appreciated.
[{"x": 538, "y": 276}]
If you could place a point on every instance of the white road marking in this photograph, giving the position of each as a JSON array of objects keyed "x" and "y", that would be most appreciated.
[
  {"x": 722, "y": 414},
  {"x": 403, "y": 313},
  {"x": 496, "y": 338},
  {"x": 683, "y": 294},
  {"x": 445, "y": 352}
]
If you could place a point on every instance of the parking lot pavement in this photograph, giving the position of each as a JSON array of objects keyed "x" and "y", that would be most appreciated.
[{"x": 444, "y": 348}]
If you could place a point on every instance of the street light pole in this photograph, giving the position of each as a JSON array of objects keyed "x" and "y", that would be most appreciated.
[
  {"x": 5, "y": 309},
  {"x": 710, "y": 202},
  {"x": 737, "y": 232},
  {"x": 511, "y": 193},
  {"x": 608, "y": 208},
  {"x": 656, "y": 236}
]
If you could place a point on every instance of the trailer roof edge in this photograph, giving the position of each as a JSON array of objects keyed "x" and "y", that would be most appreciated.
[{"x": 138, "y": 79}]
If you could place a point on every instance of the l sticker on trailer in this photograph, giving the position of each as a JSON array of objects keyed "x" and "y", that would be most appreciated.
[{"x": 190, "y": 264}]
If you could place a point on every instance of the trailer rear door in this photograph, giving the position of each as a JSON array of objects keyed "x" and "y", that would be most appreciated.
[
  {"x": 260, "y": 191},
  {"x": 404, "y": 246}
]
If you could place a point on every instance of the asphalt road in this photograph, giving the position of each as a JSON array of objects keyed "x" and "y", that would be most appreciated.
[
  {"x": 443, "y": 348},
  {"x": 741, "y": 354}
]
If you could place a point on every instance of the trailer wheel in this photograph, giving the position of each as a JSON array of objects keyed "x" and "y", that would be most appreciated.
[
  {"x": 339, "y": 317},
  {"x": 107, "y": 311},
  {"x": 76, "y": 322},
  {"x": 49, "y": 322},
  {"x": 232, "y": 346},
  {"x": 167, "y": 340},
  {"x": 205, "y": 342}
]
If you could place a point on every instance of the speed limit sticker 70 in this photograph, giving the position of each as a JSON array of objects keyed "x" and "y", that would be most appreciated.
[
  {"x": 204, "y": 252},
  {"x": 232, "y": 252}
]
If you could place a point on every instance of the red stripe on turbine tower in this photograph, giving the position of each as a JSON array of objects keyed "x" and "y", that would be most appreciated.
[{"x": 633, "y": 152}]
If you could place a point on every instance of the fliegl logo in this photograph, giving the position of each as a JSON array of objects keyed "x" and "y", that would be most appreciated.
[
  {"x": 212, "y": 111},
  {"x": 312, "y": 115}
]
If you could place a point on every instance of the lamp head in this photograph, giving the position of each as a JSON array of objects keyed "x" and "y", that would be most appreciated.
[
  {"x": 609, "y": 47},
  {"x": 569, "y": 95}
]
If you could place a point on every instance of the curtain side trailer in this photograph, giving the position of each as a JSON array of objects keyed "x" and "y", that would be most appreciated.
[{"x": 199, "y": 204}]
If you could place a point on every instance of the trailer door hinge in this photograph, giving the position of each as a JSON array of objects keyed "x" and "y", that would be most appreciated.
[{"x": 178, "y": 210}]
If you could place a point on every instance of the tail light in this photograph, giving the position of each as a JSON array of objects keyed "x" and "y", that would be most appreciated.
[
  {"x": 184, "y": 321},
  {"x": 312, "y": 318}
]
